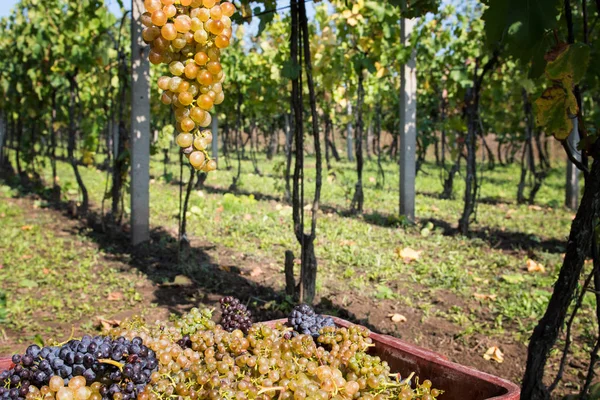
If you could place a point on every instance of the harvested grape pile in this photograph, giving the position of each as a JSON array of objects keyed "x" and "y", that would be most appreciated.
[{"x": 195, "y": 358}]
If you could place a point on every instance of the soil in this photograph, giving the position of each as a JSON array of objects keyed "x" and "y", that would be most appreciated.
[{"x": 202, "y": 280}]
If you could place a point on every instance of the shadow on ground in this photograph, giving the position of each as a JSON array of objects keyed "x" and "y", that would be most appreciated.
[{"x": 162, "y": 260}]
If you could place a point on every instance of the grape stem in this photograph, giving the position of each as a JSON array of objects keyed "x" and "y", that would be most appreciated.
[
  {"x": 270, "y": 389},
  {"x": 111, "y": 362},
  {"x": 70, "y": 337}
]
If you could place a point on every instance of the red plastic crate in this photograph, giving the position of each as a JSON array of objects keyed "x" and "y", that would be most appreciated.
[{"x": 457, "y": 381}]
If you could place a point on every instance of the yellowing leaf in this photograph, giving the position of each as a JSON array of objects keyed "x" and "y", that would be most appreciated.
[
  {"x": 553, "y": 110},
  {"x": 494, "y": 353},
  {"x": 533, "y": 266},
  {"x": 408, "y": 254}
]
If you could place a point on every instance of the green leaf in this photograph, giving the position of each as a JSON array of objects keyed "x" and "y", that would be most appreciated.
[
  {"x": 39, "y": 340},
  {"x": 513, "y": 278},
  {"x": 572, "y": 63},
  {"x": 290, "y": 70},
  {"x": 519, "y": 24},
  {"x": 28, "y": 283}
]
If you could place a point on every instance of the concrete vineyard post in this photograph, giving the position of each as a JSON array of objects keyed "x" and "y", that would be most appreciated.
[
  {"x": 140, "y": 130},
  {"x": 572, "y": 189},
  {"x": 408, "y": 125},
  {"x": 215, "y": 137}
]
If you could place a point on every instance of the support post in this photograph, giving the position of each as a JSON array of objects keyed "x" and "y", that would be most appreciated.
[
  {"x": 349, "y": 134},
  {"x": 140, "y": 130},
  {"x": 408, "y": 125},
  {"x": 572, "y": 187},
  {"x": 215, "y": 138}
]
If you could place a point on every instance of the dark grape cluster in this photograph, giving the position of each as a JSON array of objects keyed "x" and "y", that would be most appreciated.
[
  {"x": 120, "y": 365},
  {"x": 235, "y": 315},
  {"x": 304, "y": 320}
]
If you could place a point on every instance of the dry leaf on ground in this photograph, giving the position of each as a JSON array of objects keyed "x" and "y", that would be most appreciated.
[
  {"x": 533, "y": 266},
  {"x": 397, "y": 317},
  {"x": 494, "y": 353},
  {"x": 107, "y": 324},
  {"x": 256, "y": 272},
  {"x": 408, "y": 254},
  {"x": 115, "y": 296},
  {"x": 481, "y": 296}
]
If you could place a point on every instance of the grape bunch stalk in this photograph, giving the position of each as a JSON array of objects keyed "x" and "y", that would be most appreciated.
[{"x": 188, "y": 36}]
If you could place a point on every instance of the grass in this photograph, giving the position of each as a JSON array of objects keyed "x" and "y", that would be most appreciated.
[{"x": 52, "y": 279}]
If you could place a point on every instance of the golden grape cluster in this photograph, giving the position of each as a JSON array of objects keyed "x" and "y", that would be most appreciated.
[{"x": 188, "y": 36}]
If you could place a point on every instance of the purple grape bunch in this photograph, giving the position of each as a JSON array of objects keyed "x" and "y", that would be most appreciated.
[
  {"x": 306, "y": 321},
  {"x": 120, "y": 365},
  {"x": 235, "y": 315}
]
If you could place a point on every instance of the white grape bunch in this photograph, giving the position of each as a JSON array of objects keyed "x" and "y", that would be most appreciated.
[{"x": 188, "y": 36}]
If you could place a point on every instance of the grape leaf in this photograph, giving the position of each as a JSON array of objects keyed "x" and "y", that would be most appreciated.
[
  {"x": 571, "y": 64},
  {"x": 552, "y": 111},
  {"x": 520, "y": 24}
]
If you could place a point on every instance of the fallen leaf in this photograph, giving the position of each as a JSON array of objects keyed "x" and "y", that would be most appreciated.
[
  {"x": 533, "y": 266},
  {"x": 46, "y": 271},
  {"x": 26, "y": 257},
  {"x": 256, "y": 272},
  {"x": 408, "y": 254},
  {"x": 508, "y": 214},
  {"x": 220, "y": 209},
  {"x": 182, "y": 280},
  {"x": 27, "y": 227},
  {"x": 481, "y": 296},
  {"x": 200, "y": 193},
  {"x": 28, "y": 283},
  {"x": 371, "y": 179},
  {"x": 397, "y": 317},
  {"x": 494, "y": 353},
  {"x": 247, "y": 217},
  {"x": 434, "y": 208},
  {"x": 115, "y": 296},
  {"x": 107, "y": 324},
  {"x": 278, "y": 207},
  {"x": 225, "y": 268},
  {"x": 513, "y": 278},
  {"x": 308, "y": 207},
  {"x": 535, "y": 208}
]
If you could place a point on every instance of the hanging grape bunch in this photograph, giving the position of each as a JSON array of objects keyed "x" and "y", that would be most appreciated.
[{"x": 188, "y": 36}]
